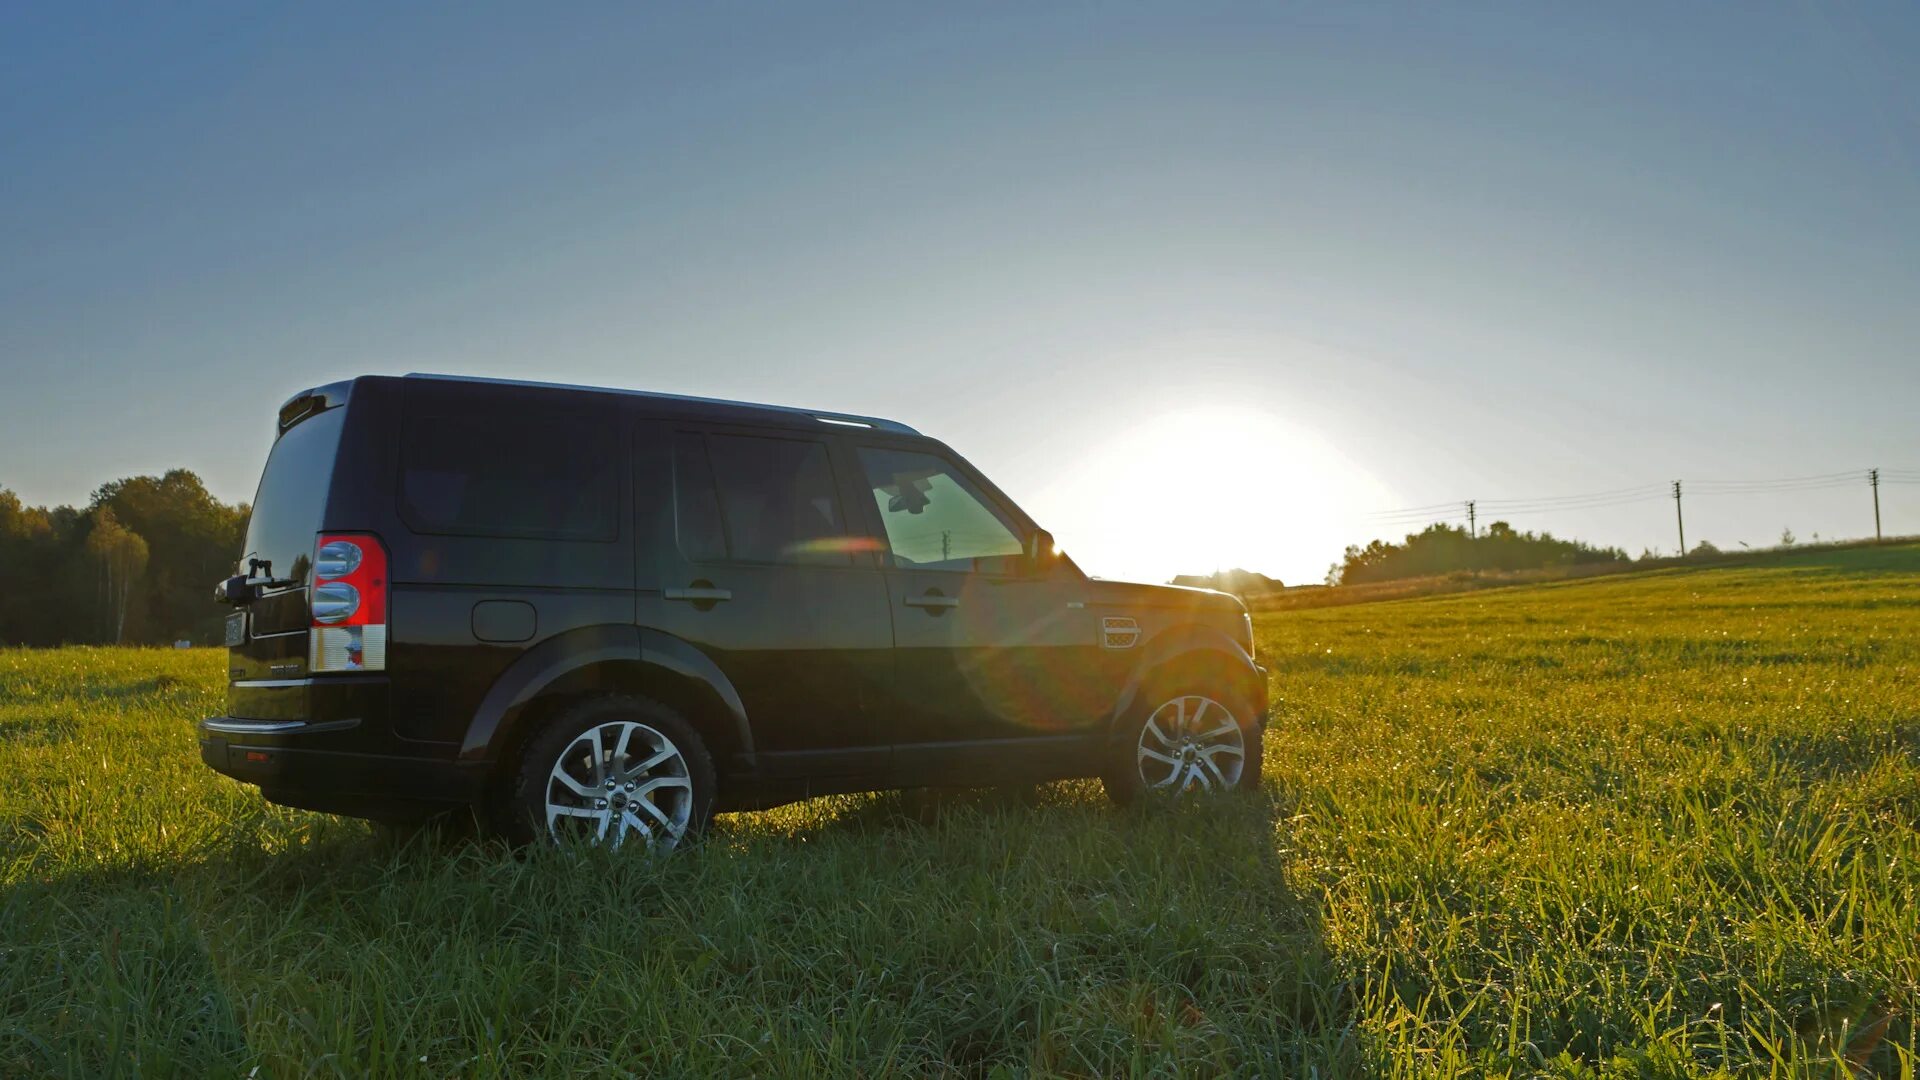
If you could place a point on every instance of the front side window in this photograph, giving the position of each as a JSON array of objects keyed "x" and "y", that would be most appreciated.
[
  {"x": 934, "y": 517},
  {"x": 696, "y": 506},
  {"x": 777, "y": 501}
]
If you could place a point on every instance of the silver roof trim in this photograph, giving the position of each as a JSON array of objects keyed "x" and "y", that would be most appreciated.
[{"x": 838, "y": 418}]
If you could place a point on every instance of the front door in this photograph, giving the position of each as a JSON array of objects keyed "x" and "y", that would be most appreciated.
[
  {"x": 751, "y": 562},
  {"x": 996, "y": 665}
]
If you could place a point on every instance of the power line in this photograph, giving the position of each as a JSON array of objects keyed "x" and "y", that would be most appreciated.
[
  {"x": 1515, "y": 507},
  {"x": 1850, "y": 474},
  {"x": 1764, "y": 490},
  {"x": 1634, "y": 490},
  {"x": 1629, "y": 494},
  {"x": 1436, "y": 513},
  {"x": 1415, "y": 509},
  {"x": 1650, "y": 496}
]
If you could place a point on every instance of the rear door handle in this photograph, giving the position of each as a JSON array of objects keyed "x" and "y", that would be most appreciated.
[
  {"x": 933, "y": 601},
  {"x": 699, "y": 595}
]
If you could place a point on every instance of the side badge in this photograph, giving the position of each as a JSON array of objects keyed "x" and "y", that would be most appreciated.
[{"x": 1119, "y": 632}]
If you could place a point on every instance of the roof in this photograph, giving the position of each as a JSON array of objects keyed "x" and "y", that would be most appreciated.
[{"x": 874, "y": 423}]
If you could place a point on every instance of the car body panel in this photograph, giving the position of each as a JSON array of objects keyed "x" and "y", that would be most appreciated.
[{"x": 812, "y": 678}]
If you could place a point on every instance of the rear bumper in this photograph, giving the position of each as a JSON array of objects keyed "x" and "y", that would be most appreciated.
[{"x": 292, "y": 764}]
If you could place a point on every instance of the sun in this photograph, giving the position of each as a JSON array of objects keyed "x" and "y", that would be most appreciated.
[{"x": 1204, "y": 488}]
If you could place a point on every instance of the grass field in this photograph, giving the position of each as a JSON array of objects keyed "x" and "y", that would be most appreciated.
[{"x": 1651, "y": 825}]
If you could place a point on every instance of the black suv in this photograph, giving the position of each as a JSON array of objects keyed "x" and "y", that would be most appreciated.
[{"x": 612, "y": 613}]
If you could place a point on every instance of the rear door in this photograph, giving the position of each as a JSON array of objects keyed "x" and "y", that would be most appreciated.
[
  {"x": 267, "y": 639},
  {"x": 752, "y": 561},
  {"x": 997, "y": 667}
]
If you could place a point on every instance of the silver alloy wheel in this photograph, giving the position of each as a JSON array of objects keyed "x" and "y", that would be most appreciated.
[
  {"x": 617, "y": 780},
  {"x": 1191, "y": 742}
]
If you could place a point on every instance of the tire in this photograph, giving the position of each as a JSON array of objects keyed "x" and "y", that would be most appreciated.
[
  {"x": 661, "y": 774},
  {"x": 1179, "y": 745}
]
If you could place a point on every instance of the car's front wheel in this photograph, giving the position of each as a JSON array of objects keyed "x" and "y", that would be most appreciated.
[
  {"x": 614, "y": 771},
  {"x": 1190, "y": 743}
]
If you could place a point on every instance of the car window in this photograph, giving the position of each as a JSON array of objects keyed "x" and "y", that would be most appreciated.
[
  {"x": 696, "y": 506},
  {"x": 292, "y": 495},
  {"x": 518, "y": 467},
  {"x": 777, "y": 501},
  {"x": 934, "y": 517}
]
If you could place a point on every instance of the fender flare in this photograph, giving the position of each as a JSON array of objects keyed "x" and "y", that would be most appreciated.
[
  {"x": 1181, "y": 642},
  {"x": 677, "y": 655},
  {"x": 552, "y": 663}
]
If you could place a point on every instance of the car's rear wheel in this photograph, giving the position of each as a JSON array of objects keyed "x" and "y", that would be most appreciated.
[
  {"x": 614, "y": 771},
  {"x": 1190, "y": 743}
]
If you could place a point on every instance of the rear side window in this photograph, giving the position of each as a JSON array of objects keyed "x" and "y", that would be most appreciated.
[
  {"x": 525, "y": 466},
  {"x": 775, "y": 500}
]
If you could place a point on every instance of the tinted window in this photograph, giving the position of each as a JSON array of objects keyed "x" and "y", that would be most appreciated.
[
  {"x": 696, "y": 508},
  {"x": 293, "y": 495},
  {"x": 777, "y": 500},
  {"x": 521, "y": 467},
  {"x": 934, "y": 517}
]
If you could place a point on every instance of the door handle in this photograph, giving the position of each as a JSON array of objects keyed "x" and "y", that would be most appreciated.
[
  {"x": 933, "y": 601},
  {"x": 699, "y": 595}
]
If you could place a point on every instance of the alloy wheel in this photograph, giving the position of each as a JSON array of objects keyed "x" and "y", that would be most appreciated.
[
  {"x": 619, "y": 781},
  {"x": 1191, "y": 743}
]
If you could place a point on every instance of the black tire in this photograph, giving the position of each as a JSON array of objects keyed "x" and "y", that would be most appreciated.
[
  {"x": 1122, "y": 778},
  {"x": 520, "y": 814}
]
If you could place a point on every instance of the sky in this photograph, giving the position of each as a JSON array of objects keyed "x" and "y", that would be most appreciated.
[{"x": 1199, "y": 286}]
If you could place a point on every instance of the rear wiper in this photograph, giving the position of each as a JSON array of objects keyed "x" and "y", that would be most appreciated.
[{"x": 243, "y": 589}]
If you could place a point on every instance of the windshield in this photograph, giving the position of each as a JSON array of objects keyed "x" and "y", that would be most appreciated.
[{"x": 292, "y": 497}]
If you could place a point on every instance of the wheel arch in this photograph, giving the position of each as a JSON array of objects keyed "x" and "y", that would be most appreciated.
[
  {"x": 1189, "y": 650},
  {"x": 608, "y": 659}
]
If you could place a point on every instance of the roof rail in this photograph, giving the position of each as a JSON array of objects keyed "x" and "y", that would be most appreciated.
[{"x": 840, "y": 419}]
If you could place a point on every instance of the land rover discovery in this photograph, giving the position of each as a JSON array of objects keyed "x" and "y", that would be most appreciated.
[{"x": 610, "y": 614}]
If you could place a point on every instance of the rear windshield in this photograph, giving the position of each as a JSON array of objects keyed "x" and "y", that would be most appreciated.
[{"x": 287, "y": 509}]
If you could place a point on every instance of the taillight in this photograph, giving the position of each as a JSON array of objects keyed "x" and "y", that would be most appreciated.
[{"x": 349, "y": 603}]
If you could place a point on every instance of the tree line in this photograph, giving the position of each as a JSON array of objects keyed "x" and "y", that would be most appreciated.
[
  {"x": 136, "y": 565},
  {"x": 1443, "y": 549}
]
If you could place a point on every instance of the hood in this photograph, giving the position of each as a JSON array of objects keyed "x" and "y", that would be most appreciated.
[
  {"x": 1158, "y": 608},
  {"x": 1140, "y": 594}
]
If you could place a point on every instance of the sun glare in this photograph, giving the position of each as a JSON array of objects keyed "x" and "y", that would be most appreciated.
[{"x": 1208, "y": 488}]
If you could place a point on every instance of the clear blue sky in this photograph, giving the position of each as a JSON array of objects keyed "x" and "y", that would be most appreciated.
[{"x": 1335, "y": 258}]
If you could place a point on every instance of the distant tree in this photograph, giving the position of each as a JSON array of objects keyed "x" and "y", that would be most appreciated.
[
  {"x": 69, "y": 575},
  {"x": 1441, "y": 549},
  {"x": 47, "y": 589},
  {"x": 122, "y": 556},
  {"x": 1705, "y": 547},
  {"x": 195, "y": 539},
  {"x": 1786, "y": 537}
]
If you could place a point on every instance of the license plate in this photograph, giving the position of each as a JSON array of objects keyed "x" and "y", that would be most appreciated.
[{"x": 236, "y": 629}]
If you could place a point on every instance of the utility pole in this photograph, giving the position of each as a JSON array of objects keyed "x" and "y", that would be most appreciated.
[
  {"x": 1679, "y": 519},
  {"x": 1873, "y": 478},
  {"x": 1473, "y": 530}
]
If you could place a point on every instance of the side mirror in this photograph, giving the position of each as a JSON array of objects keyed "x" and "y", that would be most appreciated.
[{"x": 1040, "y": 553}]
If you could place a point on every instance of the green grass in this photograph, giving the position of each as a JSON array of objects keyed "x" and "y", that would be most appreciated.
[{"x": 1653, "y": 825}]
